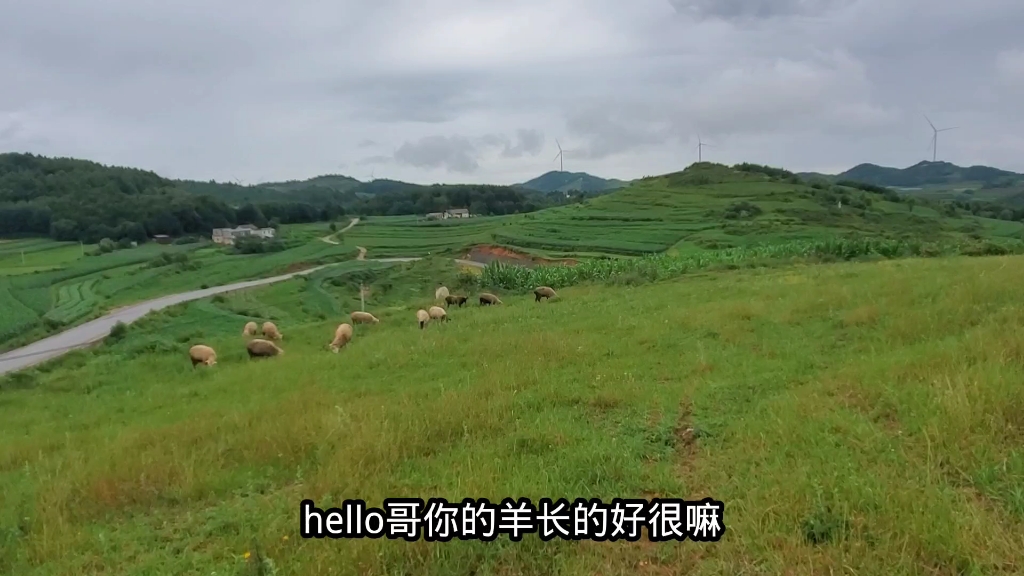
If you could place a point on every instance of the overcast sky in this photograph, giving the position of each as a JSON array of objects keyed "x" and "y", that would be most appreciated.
[{"x": 478, "y": 91}]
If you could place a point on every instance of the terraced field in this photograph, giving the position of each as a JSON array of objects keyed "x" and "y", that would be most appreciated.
[
  {"x": 704, "y": 207},
  {"x": 75, "y": 287}
]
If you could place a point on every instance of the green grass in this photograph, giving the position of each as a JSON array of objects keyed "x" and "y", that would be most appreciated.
[
  {"x": 862, "y": 418},
  {"x": 78, "y": 287}
]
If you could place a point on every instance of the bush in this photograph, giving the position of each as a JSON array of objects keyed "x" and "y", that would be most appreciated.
[
  {"x": 107, "y": 245},
  {"x": 117, "y": 333},
  {"x": 742, "y": 210},
  {"x": 186, "y": 240}
]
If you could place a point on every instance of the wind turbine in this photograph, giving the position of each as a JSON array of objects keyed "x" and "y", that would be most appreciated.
[
  {"x": 935, "y": 137},
  {"x": 700, "y": 149},
  {"x": 561, "y": 164}
]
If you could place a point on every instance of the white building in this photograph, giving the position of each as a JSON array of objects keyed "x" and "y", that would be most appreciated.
[
  {"x": 453, "y": 213},
  {"x": 228, "y": 235}
]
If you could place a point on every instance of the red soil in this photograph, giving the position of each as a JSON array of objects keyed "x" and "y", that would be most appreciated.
[{"x": 485, "y": 254}]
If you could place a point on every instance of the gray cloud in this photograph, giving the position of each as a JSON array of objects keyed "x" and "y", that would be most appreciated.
[
  {"x": 479, "y": 90},
  {"x": 757, "y": 9}
]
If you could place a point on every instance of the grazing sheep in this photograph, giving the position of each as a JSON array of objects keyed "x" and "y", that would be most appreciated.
[
  {"x": 342, "y": 336},
  {"x": 486, "y": 299},
  {"x": 453, "y": 299},
  {"x": 543, "y": 292},
  {"x": 441, "y": 293},
  {"x": 422, "y": 317},
  {"x": 250, "y": 329},
  {"x": 438, "y": 313},
  {"x": 201, "y": 354},
  {"x": 270, "y": 331},
  {"x": 262, "y": 348},
  {"x": 363, "y": 318}
]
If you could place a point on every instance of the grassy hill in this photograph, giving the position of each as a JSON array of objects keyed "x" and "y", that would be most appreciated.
[
  {"x": 557, "y": 181},
  {"x": 706, "y": 206},
  {"x": 854, "y": 418}
]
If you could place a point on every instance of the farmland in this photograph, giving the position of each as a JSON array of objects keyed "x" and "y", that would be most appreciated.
[
  {"x": 57, "y": 286},
  {"x": 854, "y": 417},
  {"x": 704, "y": 207}
]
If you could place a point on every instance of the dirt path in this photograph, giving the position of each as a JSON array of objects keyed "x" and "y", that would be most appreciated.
[
  {"x": 330, "y": 237},
  {"x": 362, "y": 253}
]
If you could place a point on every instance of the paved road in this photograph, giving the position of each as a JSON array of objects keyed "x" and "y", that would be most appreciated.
[{"x": 95, "y": 330}]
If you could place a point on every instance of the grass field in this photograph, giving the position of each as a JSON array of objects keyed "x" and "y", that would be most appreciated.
[
  {"x": 58, "y": 286},
  {"x": 862, "y": 418},
  {"x": 683, "y": 212}
]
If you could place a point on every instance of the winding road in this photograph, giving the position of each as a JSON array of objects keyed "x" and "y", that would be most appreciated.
[{"x": 95, "y": 330}]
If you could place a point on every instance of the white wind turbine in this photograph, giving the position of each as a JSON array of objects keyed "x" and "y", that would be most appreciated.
[
  {"x": 700, "y": 149},
  {"x": 561, "y": 164},
  {"x": 935, "y": 137}
]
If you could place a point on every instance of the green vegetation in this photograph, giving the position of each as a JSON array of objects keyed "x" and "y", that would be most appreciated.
[
  {"x": 925, "y": 174},
  {"x": 556, "y": 181},
  {"x": 855, "y": 418},
  {"x": 664, "y": 266},
  {"x": 706, "y": 206},
  {"x": 58, "y": 287}
]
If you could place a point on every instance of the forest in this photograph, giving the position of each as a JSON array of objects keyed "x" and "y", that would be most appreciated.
[{"x": 79, "y": 200}]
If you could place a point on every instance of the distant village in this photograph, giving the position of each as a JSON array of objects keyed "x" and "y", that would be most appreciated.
[{"x": 453, "y": 213}]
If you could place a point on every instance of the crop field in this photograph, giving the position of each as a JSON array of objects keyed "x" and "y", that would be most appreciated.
[
  {"x": 399, "y": 236},
  {"x": 702, "y": 208},
  {"x": 37, "y": 255},
  {"x": 855, "y": 418},
  {"x": 74, "y": 288}
]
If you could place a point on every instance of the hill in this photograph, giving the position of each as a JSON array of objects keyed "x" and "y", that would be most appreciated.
[
  {"x": 924, "y": 174},
  {"x": 706, "y": 206},
  {"x": 69, "y": 199},
  {"x": 833, "y": 408},
  {"x": 557, "y": 181}
]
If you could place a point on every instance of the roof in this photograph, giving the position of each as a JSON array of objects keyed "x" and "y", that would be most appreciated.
[{"x": 459, "y": 211}]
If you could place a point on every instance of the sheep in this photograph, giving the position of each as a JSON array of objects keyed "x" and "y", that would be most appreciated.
[
  {"x": 363, "y": 318},
  {"x": 438, "y": 313},
  {"x": 543, "y": 292},
  {"x": 262, "y": 348},
  {"x": 250, "y": 329},
  {"x": 422, "y": 317},
  {"x": 342, "y": 336},
  {"x": 201, "y": 354},
  {"x": 453, "y": 299},
  {"x": 271, "y": 331},
  {"x": 441, "y": 293},
  {"x": 487, "y": 299}
]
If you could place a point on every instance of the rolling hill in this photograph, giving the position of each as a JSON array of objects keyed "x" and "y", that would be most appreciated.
[
  {"x": 556, "y": 181},
  {"x": 925, "y": 174}
]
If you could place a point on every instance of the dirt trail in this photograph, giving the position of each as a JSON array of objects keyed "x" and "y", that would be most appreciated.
[
  {"x": 362, "y": 253},
  {"x": 330, "y": 237}
]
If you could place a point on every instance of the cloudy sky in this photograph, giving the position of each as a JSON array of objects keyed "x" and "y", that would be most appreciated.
[{"x": 478, "y": 91}]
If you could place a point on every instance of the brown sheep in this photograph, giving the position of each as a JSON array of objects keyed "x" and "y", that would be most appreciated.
[
  {"x": 250, "y": 329},
  {"x": 262, "y": 348},
  {"x": 441, "y": 293},
  {"x": 363, "y": 318},
  {"x": 342, "y": 336},
  {"x": 270, "y": 331},
  {"x": 452, "y": 299},
  {"x": 543, "y": 292},
  {"x": 201, "y": 354},
  {"x": 438, "y": 313},
  {"x": 487, "y": 299},
  {"x": 422, "y": 317}
]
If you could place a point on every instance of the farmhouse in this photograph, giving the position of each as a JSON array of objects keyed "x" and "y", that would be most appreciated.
[
  {"x": 453, "y": 213},
  {"x": 228, "y": 235}
]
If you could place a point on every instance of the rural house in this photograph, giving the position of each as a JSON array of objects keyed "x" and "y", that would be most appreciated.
[
  {"x": 228, "y": 235},
  {"x": 453, "y": 213}
]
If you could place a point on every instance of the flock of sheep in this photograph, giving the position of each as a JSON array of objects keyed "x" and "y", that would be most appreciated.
[{"x": 265, "y": 347}]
